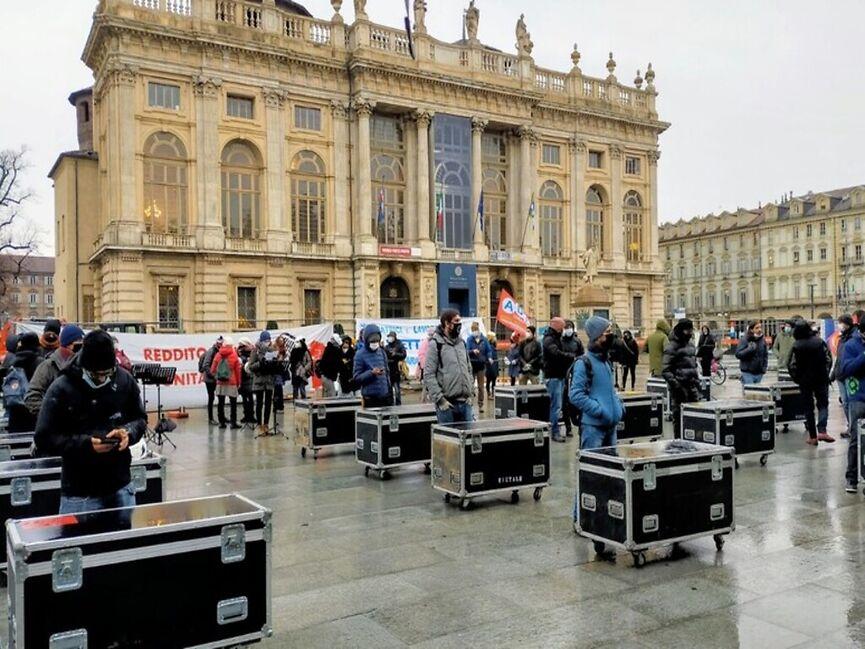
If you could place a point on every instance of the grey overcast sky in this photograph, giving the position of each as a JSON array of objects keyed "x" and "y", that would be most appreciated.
[{"x": 764, "y": 96}]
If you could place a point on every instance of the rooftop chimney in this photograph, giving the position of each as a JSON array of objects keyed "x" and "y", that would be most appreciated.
[{"x": 83, "y": 102}]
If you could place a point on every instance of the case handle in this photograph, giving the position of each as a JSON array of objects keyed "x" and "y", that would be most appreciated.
[{"x": 229, "y": 611}]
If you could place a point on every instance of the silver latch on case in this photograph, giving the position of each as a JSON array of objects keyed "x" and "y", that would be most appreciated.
[
  {"x": 229, "y": 611},
  {"x": 717, "y": 467},
  {"x": 477, "y": 443},
  {"x": 139, "y": 478},
  {"x": 538, "y": 470},
  {"x": 524, "y": 397},
  {"x": 476, "y": 479},
  {"x": 650, "y": 523},
  {"x": 321, "y": 411},
  {"x": 716, "y": 511},
  {"x": 729, "y": 417},
  {"x": 709, "y": 437},
  {"x": 67, "y": 570},
  {"x": 69, "y": 640},
  {"x": 730, "y": 440},
  {"x": 765, "y": 414},
  {"x": 394, "y": 423},
  {"x": 767, "y": 435},
  {"x": 393, "y": 452},
  {"x": 539, "y": 437},
  {"x": 688, "y": 433},
  {"x": 20, "y": 491},
  {"x": 615, "y": 509},
  {"x": 321, "y": 431},
  {"x": 233, "y": 543},
  {"x": 649, "y": 480}
]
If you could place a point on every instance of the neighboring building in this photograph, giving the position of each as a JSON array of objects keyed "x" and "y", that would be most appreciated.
[
  {"x": 802, "y": 256},
  {"x": 27, "y": 285},
  {"x": 252, "y": 163}
]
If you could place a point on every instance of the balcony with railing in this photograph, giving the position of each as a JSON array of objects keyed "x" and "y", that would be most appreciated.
[
  {"x": 307, "y": 249},
  {"x": 167, "y": 240},
  {"x": 239, "y": 244}
]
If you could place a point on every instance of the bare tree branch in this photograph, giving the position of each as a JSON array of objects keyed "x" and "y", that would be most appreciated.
[{"x": 19, "y": 238}]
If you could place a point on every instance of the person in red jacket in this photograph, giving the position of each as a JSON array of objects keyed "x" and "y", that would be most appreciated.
[{"x": 227, "y": 368}]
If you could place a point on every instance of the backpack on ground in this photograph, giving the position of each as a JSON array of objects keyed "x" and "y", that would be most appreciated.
[
  {"x": 15, "y": 387},
  {"x": 574, "y": 413},
  {"x": 223, "y": 371}
]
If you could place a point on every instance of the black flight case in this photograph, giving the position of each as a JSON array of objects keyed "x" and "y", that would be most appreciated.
[
  {"x": 657, "y": 385},
  {"x": 747, "y": 426},
  {"x": 489, "y": 456},
  {"x": 325, "y": 422},
  {"x": 190, "y": 573},
  {"x": 784, "y": 376},
  {"x": 30, "y": 488},
  {"x": 638, "y": 496},
  {"x": 16, "y": 446},
  {"x": 789, "y": 404},
  {"x": 392, "y": 437},
  {"x": 526, "y": 401},
  {"x": 644, "y": 417}
]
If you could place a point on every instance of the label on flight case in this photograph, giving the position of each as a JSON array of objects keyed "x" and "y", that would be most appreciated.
[
  {"x": 54, "y": 521},
  {"x": 510, "y": 479}
]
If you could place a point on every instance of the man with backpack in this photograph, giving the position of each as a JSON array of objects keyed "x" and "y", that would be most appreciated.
[
  {"x": 556, "y": 364},
  {"x": 851, "y": 370},
  {"x": 204, "y": 363},
  {"x": 71, "y": 337},
  {"x": 371, "y": 371},
  {"x": 28, "y": 356},
  {"x": 447, "y": 373}
]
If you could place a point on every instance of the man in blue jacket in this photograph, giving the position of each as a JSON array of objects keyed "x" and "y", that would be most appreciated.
[
  {"x": 852, "y": 372},
  {"x": 371, "y": 372},
  {"x": 752, "y": 354},
  {"x": 480, "y": 356}
]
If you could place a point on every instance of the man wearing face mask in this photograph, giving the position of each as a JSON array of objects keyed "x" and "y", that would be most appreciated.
[
  {"x": 531, "y": 357},
  {"x": 846, "y": 329},
  {"x": 680, "y": 370},
  {"x": 783, "y": 344},
  {"x": 371, "y": 372},
  {"x": 571, "y": 344},
  {"x": 70, "y": 343},
  {"x": 557, "y": 362},
  {"x": 90, "y": 416},
  {"x": 395, "y": 350},
  {"x": 851, "y": 370},
  {"x": 480, "y": 356},
  {"x": 753, "y": 355},
  {"x": 447, "y": 374}
]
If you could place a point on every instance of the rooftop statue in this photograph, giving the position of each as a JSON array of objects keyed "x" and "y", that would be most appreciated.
[
  {"x": 473, "y": 15},
  {"x": 420, "y": 16},
  {"x": 524, "y": 39}
]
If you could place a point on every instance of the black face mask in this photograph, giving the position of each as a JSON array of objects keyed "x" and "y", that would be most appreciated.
[
  {"x": 456, "y": 328},
  {"x": 606, "y": 341}
]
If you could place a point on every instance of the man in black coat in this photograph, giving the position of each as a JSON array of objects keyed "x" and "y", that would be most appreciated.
[
  {"x": 90, "y": 416},
  {"x": 396, "y": 354},
  {"x": 810, "y": 365},
  {"x": 680, "y": 370},
  {"x": 557, "y": 362},
  {"x": 571, "y": 344}
]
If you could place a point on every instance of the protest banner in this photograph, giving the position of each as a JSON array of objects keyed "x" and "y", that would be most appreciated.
[{"x": 511, "y": 314}]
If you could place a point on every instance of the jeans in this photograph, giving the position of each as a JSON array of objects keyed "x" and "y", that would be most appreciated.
[
  {"x": 211, "y": 395},
  {"x": 459, "y": 411},
  {"x": 820, "y": 394},
  {"x": 263, "y": 398},
  {"x": 397, "y": 391},
  {"x": 554, "y": 387},
  {"x": 845, "y": 399},
  {"x": 856, "y": 412},
  {"x": 751, "y": 379},
  {"x": 633, "y": 371},
  {"x": 123, "y": 497},
  {"x": 328, "y": 387},
  {"x": 593, "y": 437}
]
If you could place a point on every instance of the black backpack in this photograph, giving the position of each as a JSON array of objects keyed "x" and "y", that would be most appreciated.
[{"x": 574, "y": 413}]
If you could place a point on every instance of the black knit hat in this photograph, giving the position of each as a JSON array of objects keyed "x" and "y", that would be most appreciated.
[
  {"x": 846, "y": 319},
  {"x": 52, "y": 326},
  {"x": 97, "y": 352}
]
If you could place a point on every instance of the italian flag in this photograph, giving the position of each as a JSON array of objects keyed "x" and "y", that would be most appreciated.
[{"x": 440, "y": 214}]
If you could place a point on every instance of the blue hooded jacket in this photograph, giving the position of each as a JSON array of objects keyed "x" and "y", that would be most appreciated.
[
  {"x": 600, "y": 405},
  {"x": 480, "y": 360},
  {"x": 852, "y": 370},
  {"x": 365, "y": 360}
]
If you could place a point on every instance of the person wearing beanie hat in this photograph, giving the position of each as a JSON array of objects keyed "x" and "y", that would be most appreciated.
[
  {"x": 592, "y": 392},
  {"x": 50, "y": 338},
  {"x": 846, "y": 329},
  {"x": 264, "y": 336},
  {"x": 680, "y": 370},
  {"x": 752, "y": 354},
  {"x": 261, "y": 366},
  {"x": 205, "y": 361},
  {"x": 70, "y": 343},
  {"x": 90, "y": 416}
]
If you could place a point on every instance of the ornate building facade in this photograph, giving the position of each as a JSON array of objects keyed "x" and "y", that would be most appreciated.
[
  {"x": 242, "y": 161},
  {"x": 799, "y": 256}
]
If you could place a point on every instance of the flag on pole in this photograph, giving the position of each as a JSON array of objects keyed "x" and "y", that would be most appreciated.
[
  {"x": 532, "y": 212},
  {"x": 381, "y": 206},
  {"x": 481, "y": 211},
  {"x": 511, "y": 314},
  {"x": 440, "y": 214}
]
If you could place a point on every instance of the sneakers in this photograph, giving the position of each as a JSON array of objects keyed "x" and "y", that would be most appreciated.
[
  {"x": 811, "y": 441},
  {"x": 560, "y": 438},
  {"x": 825, "y": 437},
  {"x": 850, "y": 488}
]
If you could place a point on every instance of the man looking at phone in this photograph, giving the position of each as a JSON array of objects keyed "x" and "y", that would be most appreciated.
[{"x": 90, "y": 416}]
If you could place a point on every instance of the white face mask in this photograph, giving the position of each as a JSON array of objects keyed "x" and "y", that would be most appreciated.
[
  {"x": 374, "y": 346},
  {"x": 568, "y": 333},
  {"x": 529, "y": 336},
  {"x": 477, "y": 335},
  {"x": 391, "y": 339},
  {"x": 93, "y": 384}
]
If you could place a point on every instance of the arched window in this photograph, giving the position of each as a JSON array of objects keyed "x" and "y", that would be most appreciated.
[
  {"x": 165, "y": 184},
  {"x": 595, "y": 219},
  {"x": 241, "y": 191},
  {"x": 395, "y": 298},
  {"x": 388, "y": 179},
  {"x": 308, "y": 197},
  {"x": 551, "y": 206},
  {"x": 633, "y": 222}
]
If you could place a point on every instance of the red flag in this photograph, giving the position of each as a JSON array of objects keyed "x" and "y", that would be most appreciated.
[{"x": 511, "y": 314}]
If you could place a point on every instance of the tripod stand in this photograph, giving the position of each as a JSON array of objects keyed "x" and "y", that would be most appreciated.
[{"x": 155, "y": 374}]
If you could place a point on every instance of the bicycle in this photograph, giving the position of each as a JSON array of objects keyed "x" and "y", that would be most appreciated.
[{"x": 719, "y": 372}]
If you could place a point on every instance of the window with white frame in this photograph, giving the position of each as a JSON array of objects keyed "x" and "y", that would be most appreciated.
[
  {"x": 551, "y": 155},
  {"x": 239, "y": 106},
  {"x": 34, "y": 299},
  {"x": 596, "y": 159},
  {"x": 552, "y": 201},
  {"x": 163, "y": 95}
]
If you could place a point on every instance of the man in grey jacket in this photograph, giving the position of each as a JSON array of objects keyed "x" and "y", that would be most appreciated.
[
  {"x": 447, "y": 374},
  {"x": 71, "y": 338}
]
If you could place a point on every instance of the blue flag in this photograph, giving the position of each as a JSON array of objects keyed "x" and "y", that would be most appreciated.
[
  {"x": 481, "y": 210},
  {"x": 381, "y": 206}
]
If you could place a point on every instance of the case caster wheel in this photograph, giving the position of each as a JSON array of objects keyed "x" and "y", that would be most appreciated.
[
  {"x": 315, "y": 454},
  {"x": 384, "y": 474},
  {"x": 736, "y": 462},
  {"x": 465, "y": 504},
  {"x": 426, "y": 469},
  {"x": 366, "y": 472},
  {"x": 719, "y": 542},
  {"x": 303, "y": 451},
  {"x": 763, "y": 459},
  {"x": 785, "y": 429},
  {"x": 538, "y": 493},
  {"x": 447, "y": 498},
  {"x": 515, "y": 497},
  {"x": 639, "y": 559},
  {"x": 599, "y": 548}
]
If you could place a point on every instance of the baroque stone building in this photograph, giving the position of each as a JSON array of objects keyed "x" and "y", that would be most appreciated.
[
  {"x": 799, "y": 256},
  {"x": 26, "y": 287},
  {"x": 242, "y": 161}
]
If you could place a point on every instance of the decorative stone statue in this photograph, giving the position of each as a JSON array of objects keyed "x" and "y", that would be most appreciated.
[
  {"x": 336, "y": 4},
  {"x": 473, "y": 15},
  {"x": 360, "y": 8},
  {"x": 420, "y": 16},
  {"x": 524, "y": 39},
  {"x": 590, "y": 264}
]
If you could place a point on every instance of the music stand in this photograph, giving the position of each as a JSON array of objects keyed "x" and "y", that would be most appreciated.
[
  {"x": 155, "y": 374},
  {"x": 275, "y": 367}
]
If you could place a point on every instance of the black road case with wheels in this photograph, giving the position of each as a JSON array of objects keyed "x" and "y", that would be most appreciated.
[
  {"x": 190, "y": 573},
  {"x": 639, "y": 496},
  {"x": 387, "y": 438},
  {"x": 644, "y": 417},
  {"x": 747, "y": 426},
  {"x": 16, "y": 446},
  {"x": 325, "y": 422},
  {"x": 30, "y": 488},
  {"x": 526, "y": 401},
  {"x": 787, "y": 398},
  {"x": 476, "y": 458}
]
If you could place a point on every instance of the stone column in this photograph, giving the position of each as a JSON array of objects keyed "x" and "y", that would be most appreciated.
[
  {"x": 530, "y": 242},
  {"x": 341, "y": 221},
  {"x": 615, "y": 228},
  {"x": 425, "y": 202},
  {"x": 410, "y": 217},
  {"x": 577, "y": 149},
  {"x": 125, "y": 218},
  {"x": 368, "y": 245},
  {"x": 651, "y": 224},
  {"x": 278, "y": 225},
  {"x": 481, "y": 249},
  {"x": 209, "y": 232}
]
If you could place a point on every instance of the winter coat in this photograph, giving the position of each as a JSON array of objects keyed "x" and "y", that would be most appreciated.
[
  {"x": 530, "y": 356},
  {"x": 573, "y": 345},
  {"x": 599, "y": 404},
  {"x": 481, "y": 359},
  {"x": 245, "y": 376},
  {"x": 21, "y": 419},
  {"x": 9, "y": 358},
  {"x": 629, "y": 352},
  {"x": 228, "y": 353},
  {"x": 396, "y": 353},
  {"x": 365, "y": 361},
  {"x": 852, "y": 369},
  {"x": 514, "y": 357},
  {"x": 206, "y": 362},
  {"x": 835, "y": 374},
  {"x": 811, "y": 361},
  {"x": 706, "y": 346},
  {"x": 45, "y": 375},
  {"x": 783, "y": 347},
  {"x": 257, "y": 362},
  {"x": 680, "y": 369},
  {"x": 346, "y": 370},
  {"x": 72, "y": 413},
  {"x": 300, "y": 361},
  {"x": 556, "y": 360},
  {"x": 447, "y": 373},
  {"x": 752, "y": 354},
  {"x": 331, "y": 360},
  {"x": 655, "y": 345}
]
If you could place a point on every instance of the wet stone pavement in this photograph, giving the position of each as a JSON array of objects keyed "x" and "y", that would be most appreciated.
[{"x": 358, "y": 562}]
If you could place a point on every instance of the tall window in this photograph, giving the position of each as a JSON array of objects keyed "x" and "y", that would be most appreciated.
[
  {"x": 163, "y": 95},
  {"x": 246, "y": 307},
  {"x": 494, "y": 149},
  {"x": 596, "y": 159},
  {"x": 395, "y": 298},
  {"x": 168, "y": 306},
  {"x": 241, "y": 192},
  {"x": 633, "y": 217},
  {"x": 595, "y": 220},
  {"x": 453, "y": 138},
  {"x": 632, "y": 166},
  {"x": 311, "y": 306},
  {"x": 308, "y": 197},
  {"x": 165, "y": 184},
  {"x": 555, "y": 305},
  {"x": 552, "y": 202},
  {"x": 388, "y": 179},
  {"x": 637, "y": 311}
]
